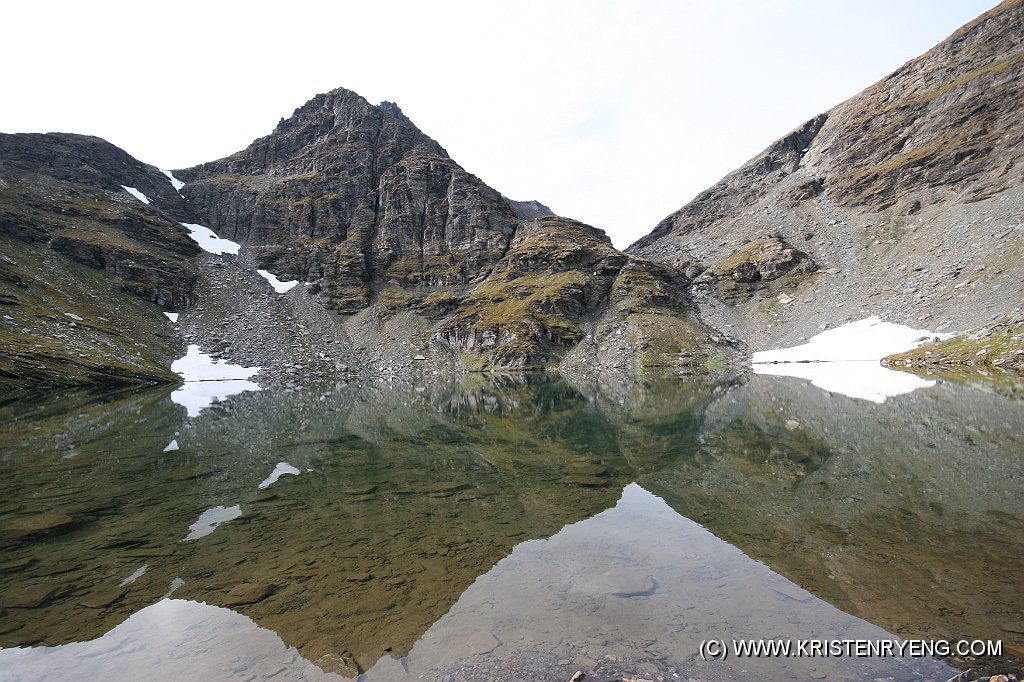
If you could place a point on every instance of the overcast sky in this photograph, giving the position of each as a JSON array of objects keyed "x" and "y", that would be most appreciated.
[{"x": 614, "y": 113}]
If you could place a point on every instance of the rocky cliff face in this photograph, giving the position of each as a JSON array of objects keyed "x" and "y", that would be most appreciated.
[
  {"x": 561, "y": 285},
  {"x": 83, "y": 261},
  {"x": 905, "y": 200}
]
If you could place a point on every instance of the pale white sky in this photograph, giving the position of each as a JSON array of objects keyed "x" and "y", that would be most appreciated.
[{"x": 612, "y": 112}]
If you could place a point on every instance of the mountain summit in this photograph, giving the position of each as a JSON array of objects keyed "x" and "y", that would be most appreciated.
[{"x": 346, "y": 194}]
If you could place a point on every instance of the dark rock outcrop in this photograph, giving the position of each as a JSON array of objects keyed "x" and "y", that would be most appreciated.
[
  {"x": 754, "y": 267},
  {"x": 555, "y": 273}
]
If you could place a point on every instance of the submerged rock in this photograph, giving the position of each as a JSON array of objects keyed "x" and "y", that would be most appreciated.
[
  {"x": 247, "y": 593},
  {"x": 28, "y": 597},
  {"x": 103, "y": 598},
  {"x": 28, "y": 527}
]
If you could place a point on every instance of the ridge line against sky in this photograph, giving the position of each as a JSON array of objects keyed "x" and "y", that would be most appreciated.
[{"x": 615, "y": 114}]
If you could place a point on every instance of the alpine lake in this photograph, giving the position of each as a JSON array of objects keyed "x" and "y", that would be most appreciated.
[{"x": 507, "y": 529}]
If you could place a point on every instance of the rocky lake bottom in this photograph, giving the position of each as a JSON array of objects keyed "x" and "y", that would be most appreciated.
[{"x": 506, "y": 529}]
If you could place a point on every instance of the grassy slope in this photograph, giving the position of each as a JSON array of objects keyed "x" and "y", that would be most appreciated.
[{"x": 120, "y": 338}]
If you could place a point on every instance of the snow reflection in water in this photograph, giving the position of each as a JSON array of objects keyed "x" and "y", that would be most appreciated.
[
  {"x": 210, "y": 519},
  {"x": 208, "y": 380}
]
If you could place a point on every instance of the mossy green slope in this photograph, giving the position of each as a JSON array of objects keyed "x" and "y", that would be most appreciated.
[
  {"x": 998, "y": 346},
  {"x": 562, "y": 286}
]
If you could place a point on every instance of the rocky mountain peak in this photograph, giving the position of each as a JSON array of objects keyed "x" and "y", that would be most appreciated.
[
  {"x": 525, "y": 210},
  {"x": 356, "y": 201},
  {"x": 392, "y": 109},
  {"x": 557, "y": 229},
  {"x": 331, "y": 127}
]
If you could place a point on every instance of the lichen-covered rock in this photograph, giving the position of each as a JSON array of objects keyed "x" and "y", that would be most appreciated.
[{"x": 556, "y": 272}]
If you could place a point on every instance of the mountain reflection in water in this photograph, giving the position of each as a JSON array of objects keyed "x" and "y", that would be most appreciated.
[{"x": 902, "y": 514}]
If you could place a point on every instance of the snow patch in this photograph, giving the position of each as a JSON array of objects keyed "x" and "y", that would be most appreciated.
[
  {"x": 136, "y": 193},
  {"x": 173, "y": 317},
  {"x": 175, "y": 182},
  {"x": 210, "y": 519},
  {"x": 73, "y": 316},
  {"x": 846, "y": 359},
  {"x": 172, "y": 446},
  {"x": 280, "y": 470},
  {"x": 208, "y": 241},
  {"x": 207, "y": 380},
  {"x": 867, "y": 339},
  {"x": 279, "y": 286}
]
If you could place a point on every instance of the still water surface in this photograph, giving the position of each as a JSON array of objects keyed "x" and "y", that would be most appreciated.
[{"x": 503, "y": 530}]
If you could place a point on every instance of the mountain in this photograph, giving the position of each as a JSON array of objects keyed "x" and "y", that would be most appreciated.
[
  {"x": 347, "y": 195},
  {"x": 903, "y": 201},
  {"x": 416, "y": 252},
  {"x": 85, "y": 266}
]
